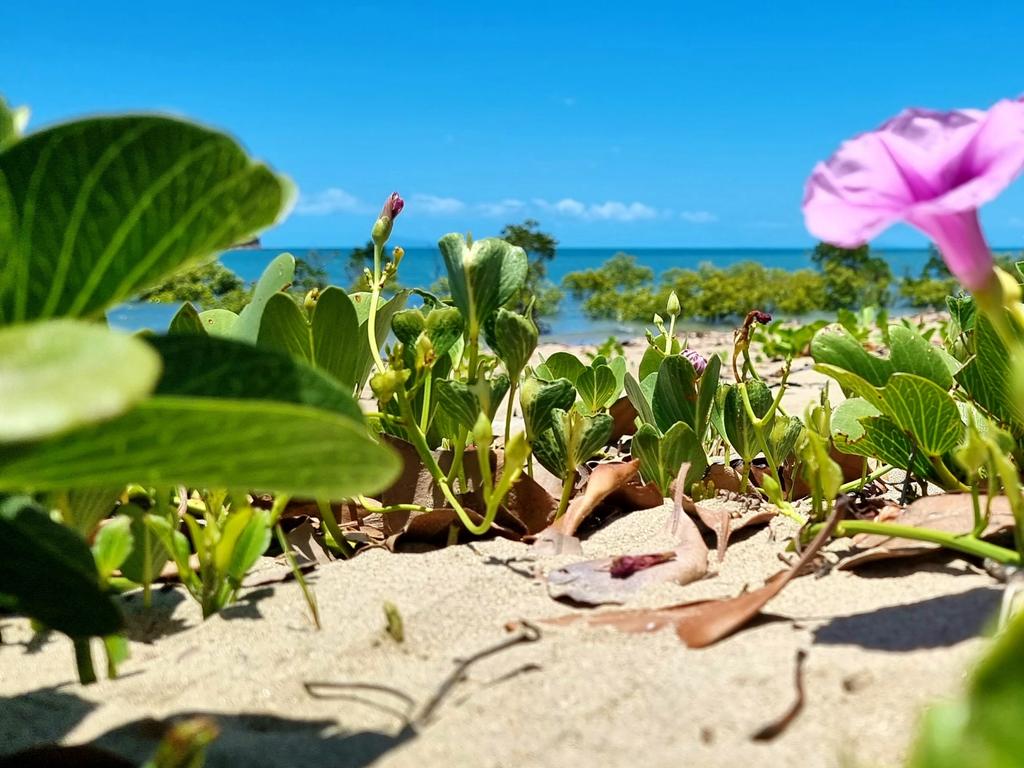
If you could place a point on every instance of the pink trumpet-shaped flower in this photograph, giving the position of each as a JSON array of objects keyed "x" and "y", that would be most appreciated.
[{"x": 930, "y": 169}]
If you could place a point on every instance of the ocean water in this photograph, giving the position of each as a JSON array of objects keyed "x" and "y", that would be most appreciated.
[{"x": 421, "y": 267}]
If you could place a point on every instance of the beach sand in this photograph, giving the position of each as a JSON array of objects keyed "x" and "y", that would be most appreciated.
[{"x": 881, "y": 644}]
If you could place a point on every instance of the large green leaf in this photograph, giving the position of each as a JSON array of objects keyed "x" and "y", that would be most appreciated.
[
  {"x": 662, "y": 456},
  {"x": 988, "y": 377},
  {"x": 597, "y": 387},
  {"x": 738, "y": 426},
  {"x": 60, "y": 374},
  {"x": 707, "y": 390},
  {"x": 639, "y": 399},
  {"x": 512, "y": 337},
  {"x": 458, "y": 401},
  {"x": 675, "y": 393},
  {"x": 98, "y": 209},
  {"x": 197, "y": 366},
  {"x": 50, "y": 572},
  {"x": 208, "y": 442},
  {"x": 538, "y": 400},
  {"x": 861, "y": 429},
  {"x": 924, "y": 411},
  {"x": 482, "y": 277},
  {"x": 835, "y": 346},
  {"x": 561, "y": 365},
  {"x": 277, "y": 276}
]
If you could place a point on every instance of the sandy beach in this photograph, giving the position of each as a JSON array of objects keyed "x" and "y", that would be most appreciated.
[{"x": 881, "y": 643}]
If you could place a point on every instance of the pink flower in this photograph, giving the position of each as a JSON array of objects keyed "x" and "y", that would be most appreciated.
[
  {"x": 382, "y": 227},
  {"x": 930, "y": 169}
]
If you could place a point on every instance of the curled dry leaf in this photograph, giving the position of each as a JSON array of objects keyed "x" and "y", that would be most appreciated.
[
  {"x": 950, "y": 512},
  {"x": 624, "y": 419},
  {"x": 704, "y": 622},
  {"x": 617, "y": 579},
  {"x": 560, "y": 536},
  {"x": 724, "y": 515}
]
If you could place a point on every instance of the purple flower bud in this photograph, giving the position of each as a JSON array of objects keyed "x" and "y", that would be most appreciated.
[
  {"x": 392, "y": 206},
  {"x": 761, "y": 317},
  {"x": 698, "y": 360}
]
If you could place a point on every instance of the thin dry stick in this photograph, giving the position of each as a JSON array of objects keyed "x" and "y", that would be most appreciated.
[{"x": 775, "y": 728}]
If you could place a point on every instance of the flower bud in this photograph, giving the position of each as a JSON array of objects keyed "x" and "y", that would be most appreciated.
[
  {"x": 673, "y": 305},
  {"x": 382, "y": 228},
  {"x": 698, "y": 360}
]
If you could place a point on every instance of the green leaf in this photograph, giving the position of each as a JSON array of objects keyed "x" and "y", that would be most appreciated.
[
  {"x": 278, "y": 275},
  {"x": 661, "y": 457},
  {"x": 148, "y": 554},
  {"x": 988, "y": 377},
  {"x": 186, "y": 321},
  {"x": 572, "y": 439},
  {"x": 675, "y": 393},
  {"x": 219, "y": 322},
  {"x": 596, "y": 387},
  {"x": 912, "y": 353},
  {"x": 444, "y": 326},
  {"x": 654, "y": 354},
  {"x": 284, "y": 328},
  {"x": 563, "y": 365},
  {"x": 706, "y": 392},
  {"x": 639, "y": 399},
  {"x": 87, "y": 507},
  {"x": 835, "y": 346},
  {"x": 458, "y": 401},
  {"x": 213, "y": 443},
  {"x": 538, "y": 400},
  {"x": 60, "y": 374},
  {"x": 738, "y": 427},
  {"x": 513, "y": 339},
  {"x": 221, "y": 368},
  {"x": 251, "y": 543},
  {"x": 101, "y": 208},
  {"x": 924, "y": 411},
  {"x": 112, "y": 546},
  {"x": 50, "y": 572},
  {"x": 482, "y": 277},
  {"x": 12, "y": 123},
  {"x": 860, "y": 428}
]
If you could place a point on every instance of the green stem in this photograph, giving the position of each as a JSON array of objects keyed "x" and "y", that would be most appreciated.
[
  {"x": 959, "y": 542},
  {"x": 381, "y": 509},
  {"x": 331, "y": 523},
  {"x": 567, "y": 486},
  {"x": 419, "y": 442},
  {"x": 856, "y": 485},
  {"x": 948, "y": 479},
  {"x": 670, "y": 336},
  {"x": 508, "y": 412},
  {"x": 425, "y": 412},
  {"x": 371, "y": 320},
  {"x": 83, "y": 660},
  {"x": 300, "y": 578},
  {"x": 458, "y": 451}
]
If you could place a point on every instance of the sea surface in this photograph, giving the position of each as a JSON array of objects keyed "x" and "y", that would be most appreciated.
[{"x": 421, "y": 267}]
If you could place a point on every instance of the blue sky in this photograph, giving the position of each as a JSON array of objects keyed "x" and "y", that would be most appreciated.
[{"x": 614, "y": 124}]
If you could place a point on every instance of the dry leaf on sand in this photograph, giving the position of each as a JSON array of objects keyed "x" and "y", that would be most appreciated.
[
  {"x": 724, "y": 515},
  {"x": 705, "y": 622},
  {"x": 616, "y": 579},
  {"x": 560, "y": 536},
  {"x": 950, "y": 512}
]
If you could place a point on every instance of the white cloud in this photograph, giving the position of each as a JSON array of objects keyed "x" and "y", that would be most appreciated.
[
  {"x": 611, "y": 210},
  {"x": 698, "y": 217},
  {"x": 435, "y": 205},
  {"x": 332, "y": 200},
  {"x": 501, "y": 208}
]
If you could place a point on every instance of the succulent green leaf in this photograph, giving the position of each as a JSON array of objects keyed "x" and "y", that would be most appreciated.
[
  {"x": 924, "y": 411},
  {"x": 596, "y": 387},
  {"x": 407, "y": 325},
  {"x": 988, "y": 377},
  {"x": 706, "y": 392},
  {"x": 859, "y": 428},
  {"x": 513, "y": 339},
  {"x": 836, "y": 347},
  {"x": 148, "y": 554},
  {"x": 95, "y": 210},
  {"x": 458, "y": 401},
  {"x": 655, "y": 353},
  {"x": 112, "y": 546},
  {"x": 482, "y": 277},
  {"x": 738, "y": 427},
  {"x": 562, "y": 365},
  {"x": 186, "y": 321},
  {"x": 675, "y": 393},
  {"x": 539, "y": 399},
  {"x": 639, "y": 399},
  {"x": 60, "y": 374},
  {"x": 277, "y": 276},
  {"x": 222, "y": 368},
  {"x": 219, "y": 322},
  {"x": 662, "y": 456},
  {"x": 912, "y": 353},
  {"x": 50, "y": 573},
  {"x": 209, "y": 442}
]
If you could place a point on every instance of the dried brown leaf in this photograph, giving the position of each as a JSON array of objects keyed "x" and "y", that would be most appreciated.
[
  {"x": 725, "y": 515},
  {"x": 702, "y": 623},
  {"x": 950, "y": 512}
]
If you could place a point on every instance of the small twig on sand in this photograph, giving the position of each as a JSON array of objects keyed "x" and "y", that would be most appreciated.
[{"x": 776, "y": 727}]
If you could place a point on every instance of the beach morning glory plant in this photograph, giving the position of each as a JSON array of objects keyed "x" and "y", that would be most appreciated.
[{"x": 932, "y": 170}]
